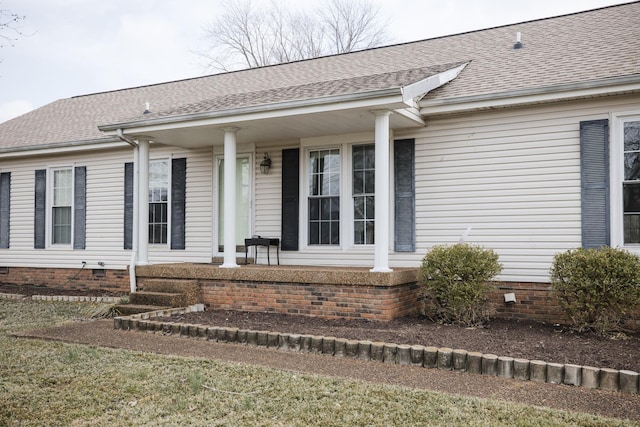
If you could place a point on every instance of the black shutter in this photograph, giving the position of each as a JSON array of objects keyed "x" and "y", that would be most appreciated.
[
  {"x": 5, "y": 211},
  {"x": 80, "y": 207},
  {"x": 290, "y": 199},
  {"x": 405, "y": 195},
  {"x": 594, "y": 174},
  {"x": 128, "y": 205},
  {"x": 39, "y": 220},
  {"x": 178, "y": 202}
]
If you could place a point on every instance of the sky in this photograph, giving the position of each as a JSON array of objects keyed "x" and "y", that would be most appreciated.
[{"x": 77, "y": 47}]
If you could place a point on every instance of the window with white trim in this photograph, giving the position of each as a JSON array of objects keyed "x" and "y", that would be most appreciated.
[
  {"x": 324, "y": 197},
  {"x": 363, "y": 183},
  {"x": 158, "y": 201},
  {"x": 631, "y": 181},
  {"x": 62, "y": 206}
]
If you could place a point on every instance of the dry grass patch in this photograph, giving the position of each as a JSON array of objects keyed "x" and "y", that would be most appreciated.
[{"x": 48, "y": 383}]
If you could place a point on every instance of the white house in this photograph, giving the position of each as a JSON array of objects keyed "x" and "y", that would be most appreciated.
[{"x": 525, "y": 138}]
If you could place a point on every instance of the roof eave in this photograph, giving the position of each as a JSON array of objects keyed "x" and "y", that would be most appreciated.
[
  {"x": 554, "y": 93},
  {"x": 392, "y": 95},
  {"x": 61, "y": 147}
]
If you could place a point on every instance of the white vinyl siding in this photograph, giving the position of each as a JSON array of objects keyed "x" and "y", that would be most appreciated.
[
  {"x": 105, "y": 210},
  {"x": 513, "y": 175}
]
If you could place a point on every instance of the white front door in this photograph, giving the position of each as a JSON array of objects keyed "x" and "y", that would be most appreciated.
[{"x": 243, "y": 200}]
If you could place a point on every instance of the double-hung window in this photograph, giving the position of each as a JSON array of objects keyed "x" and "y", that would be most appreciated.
[
  {"x": 324, "y": 197},
  {"x": 158, "y": 201},
  {"x": 62, "y": 206},
  {"x": 363, "y": 194},
  {"x": 631, "y": 181}
]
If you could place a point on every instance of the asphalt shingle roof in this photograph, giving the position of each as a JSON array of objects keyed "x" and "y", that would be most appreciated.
[{"x": 573, "y": 48}]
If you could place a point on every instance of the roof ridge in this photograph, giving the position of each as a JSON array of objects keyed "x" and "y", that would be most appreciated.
[{"x": 351, "y": 53}]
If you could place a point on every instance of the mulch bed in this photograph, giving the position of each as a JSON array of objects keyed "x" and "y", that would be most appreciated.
[
  {"x": 518, "y": 339},
  {"x": 522, "y": 339}
]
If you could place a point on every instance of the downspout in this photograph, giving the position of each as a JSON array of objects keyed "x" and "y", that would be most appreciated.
[{"x": 134, "y": 232}]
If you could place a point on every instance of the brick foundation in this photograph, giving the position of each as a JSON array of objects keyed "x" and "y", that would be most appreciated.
[
  {"x": 534, "y": 301},
  {"x": 330, "y": 301},
  {"x": 67, "y": 278}
]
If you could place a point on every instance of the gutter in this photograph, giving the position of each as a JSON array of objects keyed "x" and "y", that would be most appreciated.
[
  {"x": 126, "y": 139},
  {"x": 608, "y": 86}
]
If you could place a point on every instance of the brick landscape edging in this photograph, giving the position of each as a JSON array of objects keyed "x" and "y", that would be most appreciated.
[
  {"x": 401, "y": 354},
  {"x": 65, "y": 298}
]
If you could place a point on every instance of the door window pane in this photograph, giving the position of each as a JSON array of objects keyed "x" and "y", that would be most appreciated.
[{"x": 243, "y": 202}]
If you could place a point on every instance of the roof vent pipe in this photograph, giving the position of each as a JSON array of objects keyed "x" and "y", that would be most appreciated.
[
  {"x": 518, "y": 44},
  {"x": 147, "y": 111}
]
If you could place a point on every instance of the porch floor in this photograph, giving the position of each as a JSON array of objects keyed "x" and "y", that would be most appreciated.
[{"x": 355, "y": 276}]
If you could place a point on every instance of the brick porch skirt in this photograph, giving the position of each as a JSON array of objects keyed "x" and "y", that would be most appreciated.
[{"x": 299, "y": 290}]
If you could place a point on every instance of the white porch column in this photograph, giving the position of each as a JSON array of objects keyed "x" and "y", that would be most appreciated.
[
  {"x": 143, "y": 202},
  {"x": 381, "y": 247},
  {"x": 229, "y": 198}
]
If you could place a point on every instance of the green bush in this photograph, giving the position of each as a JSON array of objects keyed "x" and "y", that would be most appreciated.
[
  {"x": 457, "y": 277},
  {"x": 596, "y": 288}
]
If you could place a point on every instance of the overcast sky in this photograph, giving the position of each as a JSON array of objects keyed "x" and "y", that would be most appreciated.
[{"x": 76, "y": 47}]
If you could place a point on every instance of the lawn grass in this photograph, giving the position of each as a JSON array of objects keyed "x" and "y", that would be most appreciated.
[{"x": 55, "y": 384}]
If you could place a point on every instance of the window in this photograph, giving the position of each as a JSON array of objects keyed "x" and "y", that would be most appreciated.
[
  {"x": 324, "y": 197},
  {"x": 158, "y": 201},
  {"x": 161, "y": 215},
  {"x": 61, "y": 207},
  {"x": 363, "y": 194},
  {"x": 631, "y": 182}
]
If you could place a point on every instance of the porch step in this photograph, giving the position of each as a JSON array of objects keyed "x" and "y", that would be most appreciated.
[
  {"x": 188, "y": 289},
  {"x": 129, "y": 309},
  {"x": 168, "y": 299}
]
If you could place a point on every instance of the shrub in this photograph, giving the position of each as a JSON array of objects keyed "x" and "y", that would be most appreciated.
[
  {"x": 596, "y": 288},
  {"x": 458, "y": 278}
]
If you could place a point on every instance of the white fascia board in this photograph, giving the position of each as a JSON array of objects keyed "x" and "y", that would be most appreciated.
[
  {"x": 420, "y": 88},
  {"x": 612, "y": 86},
  {"x": 390, "y": 98},
  {"x": 412, "y": 114},
  {"x": 61, "y": 147}
]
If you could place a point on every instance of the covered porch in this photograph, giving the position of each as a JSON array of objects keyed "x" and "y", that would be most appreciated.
[{"x": 304, "y": 121}]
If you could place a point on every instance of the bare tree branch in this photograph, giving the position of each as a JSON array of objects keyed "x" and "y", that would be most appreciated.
[
  {"x": 9, "y": 31},
  {"x": 252, "y": 34}
]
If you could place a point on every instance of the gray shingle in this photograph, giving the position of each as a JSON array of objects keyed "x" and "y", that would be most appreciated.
[{"x": 573, "y": 48}]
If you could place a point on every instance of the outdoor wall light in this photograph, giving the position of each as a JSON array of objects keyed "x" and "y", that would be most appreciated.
[{"x": 265, "y": 165}]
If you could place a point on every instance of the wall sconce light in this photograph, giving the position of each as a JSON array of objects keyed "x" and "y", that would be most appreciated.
[{"x": 265, "y": 165}]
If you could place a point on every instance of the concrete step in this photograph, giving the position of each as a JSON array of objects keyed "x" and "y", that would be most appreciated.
[
  {"x": 170, "y": 299},
  {"x": 129, "y": 309},
  {"x": 189, "y": 289},
  {"x": 158, "y": 284}
]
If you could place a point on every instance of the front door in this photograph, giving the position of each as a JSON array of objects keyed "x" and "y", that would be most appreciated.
[{"x": 243, "y": 201}]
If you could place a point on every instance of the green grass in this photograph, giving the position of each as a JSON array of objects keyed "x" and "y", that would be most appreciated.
[{"x": 55, "y": 384}]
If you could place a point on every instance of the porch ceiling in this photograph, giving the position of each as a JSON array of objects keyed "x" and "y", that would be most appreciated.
[{"x": 271, "y": 127}]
